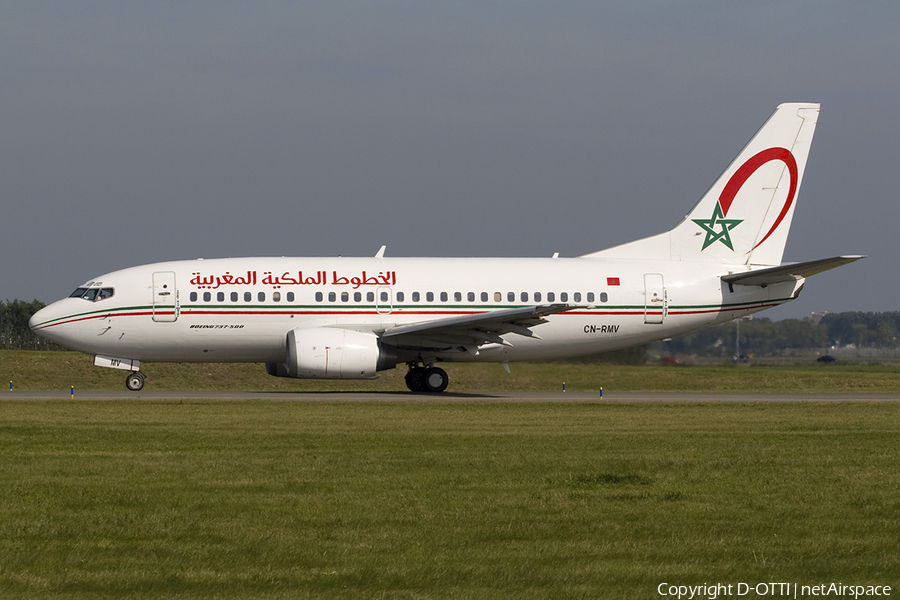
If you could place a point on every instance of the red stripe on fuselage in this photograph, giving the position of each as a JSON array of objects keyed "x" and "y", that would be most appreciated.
[{"x": 636, "y": 311}]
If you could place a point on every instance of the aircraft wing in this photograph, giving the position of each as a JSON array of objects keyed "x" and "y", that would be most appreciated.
[
  {"x": 791, "y": 272},
  {"x": 467, "y": 332}
]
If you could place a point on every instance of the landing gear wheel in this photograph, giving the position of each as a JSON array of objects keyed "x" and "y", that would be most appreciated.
[
  {"x": 415, "y": 379},
  {"x": 135, "y": 381},
  {"x": 436, "y": 380}
]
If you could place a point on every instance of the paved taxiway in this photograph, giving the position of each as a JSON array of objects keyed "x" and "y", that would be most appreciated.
[{"x": 162, "y": 396}]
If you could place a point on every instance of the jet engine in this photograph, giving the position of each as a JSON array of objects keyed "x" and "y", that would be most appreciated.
[{"x": 332, "y": 353}]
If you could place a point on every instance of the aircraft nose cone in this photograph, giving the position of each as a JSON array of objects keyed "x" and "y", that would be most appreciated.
[
  {"x": 44, "y": 322},
  {"x": 36, "y": 319}
]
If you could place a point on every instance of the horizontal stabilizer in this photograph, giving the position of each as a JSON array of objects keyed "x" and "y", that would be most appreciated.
[{"x": 791, "y": 272}]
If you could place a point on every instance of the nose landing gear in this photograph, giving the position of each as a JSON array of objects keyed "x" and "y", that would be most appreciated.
[{"x": 135, "y": 381}]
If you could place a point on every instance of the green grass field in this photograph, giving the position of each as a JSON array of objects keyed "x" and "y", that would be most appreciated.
[
  {"x": 432, "y": 499},
  {"x": 425, "y": 498},
  {"x": 62, "y": 370}
]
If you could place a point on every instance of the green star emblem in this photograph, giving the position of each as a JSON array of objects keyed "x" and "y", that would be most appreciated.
[{"x": 718, "y": 220}]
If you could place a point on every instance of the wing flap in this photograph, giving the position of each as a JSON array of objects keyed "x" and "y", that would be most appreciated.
[{"x": 471, "y": 331}]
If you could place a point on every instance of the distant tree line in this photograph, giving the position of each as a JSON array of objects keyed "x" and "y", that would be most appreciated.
[
  {"x": 764, "y": 336},
  {"x": 14, "y": 331}
]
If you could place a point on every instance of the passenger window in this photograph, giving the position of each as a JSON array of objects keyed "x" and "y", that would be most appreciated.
[
  {"x": 576, "y": 296},
  {"x": 234, "y": 296},
  {"x": 498, "y": 297},
  {"x": 384, "y": 296},
  {"x": 290, "y": 296},
  {"x": 370, "y": 296},
  {"x": 318, "y": 296},
  {"x": 415, "y": 296},
  {"x": 399, "y": 296},
  {"x": 470, "y": 296},
  {"x": 457, "y": 296},
  {"x": 193, "y": 296},
  {"x": 564, "y": 296},
  {"x": 220, "y": 296},
  {"x": 524, "y": 296},
  {"x": 332, "y": 296},
  {"x": 590, "y": 297},
  {"x": 484, "y": 296},
  {"x": 345, "y": 296},
  {"x": 603, "y": 297},
  {"x": 537, "y": 296},
  {"x": 276, "y": 296},
  {"x": 207, "y": 296},
  {"x": 261, "y": 296},
  {"x": 248, "y": 297},
  {"x": 429, "y": 296},
  {"x": 357, "y": 296},
  {"x": 551, "y": 297},
  {"x": 443, "y": 296}
]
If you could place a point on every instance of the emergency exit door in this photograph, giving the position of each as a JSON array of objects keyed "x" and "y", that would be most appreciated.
[{"x": 655, "y": 304}]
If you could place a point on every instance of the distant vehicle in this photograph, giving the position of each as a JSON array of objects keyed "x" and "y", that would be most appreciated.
[
  {"x": 827, "y": 359},
  {"x": 347, "y": 318}
]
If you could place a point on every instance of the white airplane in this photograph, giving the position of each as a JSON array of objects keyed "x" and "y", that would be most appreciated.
[{"x": 348, "y": 318}]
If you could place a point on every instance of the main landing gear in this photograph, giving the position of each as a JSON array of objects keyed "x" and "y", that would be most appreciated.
[
  {"x": 135, "y": 381},
  {"x": 426, "y": 379}
]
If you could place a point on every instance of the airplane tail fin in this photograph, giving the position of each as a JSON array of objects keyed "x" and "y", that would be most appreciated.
[{"x": 745, "y": 216}]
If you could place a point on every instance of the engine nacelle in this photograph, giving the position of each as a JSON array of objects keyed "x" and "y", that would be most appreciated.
[{"x": 331, "y": 353}]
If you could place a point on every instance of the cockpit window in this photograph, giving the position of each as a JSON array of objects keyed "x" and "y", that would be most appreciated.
[{"x": 93, "y": 294}]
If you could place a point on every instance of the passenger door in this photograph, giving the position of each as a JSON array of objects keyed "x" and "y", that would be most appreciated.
[{"x": 165, "y": 297}]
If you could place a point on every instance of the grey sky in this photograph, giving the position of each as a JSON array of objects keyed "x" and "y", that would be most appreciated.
[{"x": 140, "y": 132}]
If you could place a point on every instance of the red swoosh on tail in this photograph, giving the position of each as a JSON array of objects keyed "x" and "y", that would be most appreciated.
[{"x": 747, "y": 169}]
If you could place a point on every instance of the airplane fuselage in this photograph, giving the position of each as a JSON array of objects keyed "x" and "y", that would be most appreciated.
[{"x": 240, "y": 310}]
